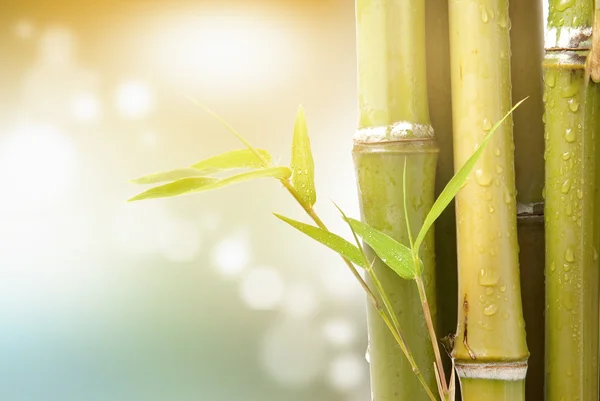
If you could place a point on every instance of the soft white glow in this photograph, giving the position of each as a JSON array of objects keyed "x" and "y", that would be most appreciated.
[
  {"x": 210, "y": 221},
  {"x": 222, "y": 50},
  {"x": 24, "y": 29},
  {"x": 346, "y": 372},
  {"x": 300, "y": 301},
  {"x": 262, "y": 289},
  {"x": 292, "y": 352},
  {"x": 150, "y": 139},
  {"x": 45, "y": 263},
  {"x": 179, "y": 241},
  {"x": 230, "y": 257},
  {"x": 86, "y": 108},
  {"x": 134, "y": 99},
  {"x": 37, "y": 165},
  {"x": 339, "y": 332},
  {"x": 57, "y": 46},
  {"x": 136, "y": 226}
]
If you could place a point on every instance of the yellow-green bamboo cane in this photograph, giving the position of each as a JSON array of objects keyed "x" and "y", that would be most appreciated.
[
  {"x": 571, "y": 213},
  {"x": 490, "y": 350},
  {"x": 393, "y": 126}
]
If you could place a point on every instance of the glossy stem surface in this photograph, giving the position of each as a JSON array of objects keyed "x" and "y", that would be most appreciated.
[
  {"x": 490, "y": 328},
  {"x": 571, "y": 206},
  {"x": 571, "y": 217},
  {"x": 379, "y": 173},
  {"x": 394, "y": 125}
]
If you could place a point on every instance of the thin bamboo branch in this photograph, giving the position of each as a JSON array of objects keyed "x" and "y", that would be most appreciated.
[{"x": 432, "y": 334}]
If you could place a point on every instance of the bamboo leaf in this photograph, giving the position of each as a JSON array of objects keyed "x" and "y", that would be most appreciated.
[
  {"x": 303, "y": 167},
  {"x": 329, "y": 239},
  {"x": 170, "y": 176},
  {"x": 241, "y": 158},
  {"x": 355, "y": 236},
  {"x": 199, "y": 184},
  {"x": 264, "y": 162},
  {"x": 397, "y": 256},
  {"x": 457, "y": 182}
]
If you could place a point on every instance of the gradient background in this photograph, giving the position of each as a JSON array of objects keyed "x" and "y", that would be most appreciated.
[{"x": 204, "y": 297}]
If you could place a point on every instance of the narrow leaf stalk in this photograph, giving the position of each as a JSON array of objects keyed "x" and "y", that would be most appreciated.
[{"x": 432, "y": 335}]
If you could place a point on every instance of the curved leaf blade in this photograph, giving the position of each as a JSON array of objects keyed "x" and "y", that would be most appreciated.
[
  {"x": 241, "y": 158},
  {"x": 200, "y": 184},
  {"x": 457, "y": 182},
  {"x": 397, "y": 256},
  {"x": 303, "y": 167},
  {"x": 355, "y": 236},
  {"x": 264, "y": 162},
  {"x": 329, "y": 239},
  {"x": 172, "y": 175}
]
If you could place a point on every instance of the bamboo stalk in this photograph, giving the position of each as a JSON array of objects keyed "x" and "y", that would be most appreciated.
[
  {"x": 572, "y": 123},
  {"x": 490, "y": 349},
  {"x": 393, "y": 126},
  {"x": 527, "y": 45}
]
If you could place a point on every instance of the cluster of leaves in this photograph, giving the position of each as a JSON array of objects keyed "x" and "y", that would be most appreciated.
[{"x": 300, "y": 177}]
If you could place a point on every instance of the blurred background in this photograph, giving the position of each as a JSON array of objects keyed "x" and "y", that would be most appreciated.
[{"x": 204, "y": 297}]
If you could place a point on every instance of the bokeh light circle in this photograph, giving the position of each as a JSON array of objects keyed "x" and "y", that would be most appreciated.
[
  {"x": 262, "y": 289},
  {"x": 231, "y": 256},
  {"x": 134, "y": 99},
  {"x": 293, "y": 353},
  {"x": 339, "y": 332},
  {"x": 346, "y": 372}
]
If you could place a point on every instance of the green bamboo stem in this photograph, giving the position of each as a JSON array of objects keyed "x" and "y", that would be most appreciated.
[
  {"x": 485, "y": 390},
  {"x": 572, "y": 124},
  {"x": 393, "y": 127},
  {"x": 379, "y": 174},
  {"x": 527, "y": 46},
  {"x": 490, "y": 349}
]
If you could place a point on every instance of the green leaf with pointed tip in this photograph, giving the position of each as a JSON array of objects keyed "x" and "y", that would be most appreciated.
[
  {"x": 170, "y": 176},
  {"x": 264, "y": 162},
  {"x": 456, "y": 183},
  {"x": 355, "y": 236},
  {"x": 241, "y": 158},
  {"x": 303, "y": 167},
  {"x": 329, "y": 239},
  {"x": 391, "y": 252},
  {"x": 199, "y": 184}
]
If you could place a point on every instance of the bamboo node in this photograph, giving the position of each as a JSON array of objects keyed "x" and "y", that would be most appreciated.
[
  {"x": 399, "y": 131},
  {"x": 507, "y": 371},
  {"x": 568, "y": 38}
]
